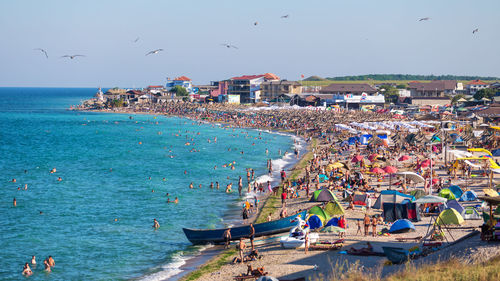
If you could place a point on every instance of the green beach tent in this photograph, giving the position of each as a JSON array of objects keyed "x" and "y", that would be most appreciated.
[
  {"x": 417, "y": 193},
  {"x": 334, "y": 209},
  {"x": 446, "y": 193},
  {"x": 449, "y": 216},
  {"x": 323, "y": 195},
  {"x": 316, "y": 210}
]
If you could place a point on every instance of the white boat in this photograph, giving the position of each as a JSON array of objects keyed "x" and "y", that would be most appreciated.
[{"x": 296, "y": 238}]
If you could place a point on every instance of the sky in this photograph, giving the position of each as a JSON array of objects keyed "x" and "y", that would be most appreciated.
[{"x": 320, "y": 37}]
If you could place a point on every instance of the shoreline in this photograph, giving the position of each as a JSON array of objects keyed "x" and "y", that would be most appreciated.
[{"x": 194, "y": 262}]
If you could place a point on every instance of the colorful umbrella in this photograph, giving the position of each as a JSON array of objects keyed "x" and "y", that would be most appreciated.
[
  {"x": 357, "y": 158},
  {"x": 390, "y": 169},
  {"x": 377, "y": 171},
  {"x": 404, "y": 158},
  {"x": 426, "y": 163},
  {"x": 373, "y": 157}
]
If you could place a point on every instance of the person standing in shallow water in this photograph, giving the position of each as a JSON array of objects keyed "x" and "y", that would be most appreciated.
[
  {"x": 240, "y": 186},
  {"x": 156, "y": 225}
]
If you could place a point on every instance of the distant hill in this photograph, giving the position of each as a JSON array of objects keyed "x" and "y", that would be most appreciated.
[
  {"x": 314, "y": 78},
  {"x": 407, "y": 77}
]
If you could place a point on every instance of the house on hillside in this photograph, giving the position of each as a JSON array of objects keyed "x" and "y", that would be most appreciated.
[
  {"x": 271, "y": 90},
  {"x": 182, "y": 81},
  {"x": 247, "y": 88},
  {"x": 351, "y": 95}
]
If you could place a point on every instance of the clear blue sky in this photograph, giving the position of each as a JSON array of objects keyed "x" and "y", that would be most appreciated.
[{"x": 326, "y": 38}]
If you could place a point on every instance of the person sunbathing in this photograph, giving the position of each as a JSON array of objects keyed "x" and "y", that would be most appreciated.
[
  {"x": 365, "y": 250},
  {"x": 259, "y": 271}
]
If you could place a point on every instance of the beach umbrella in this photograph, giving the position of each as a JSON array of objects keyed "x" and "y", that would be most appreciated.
[
  {"x": 357, "y": 158},
  {"x": 411, "y": 176},
  {"x": 430, "y": 199},
  {"x": 334, "y": 229},
  {"x": 404, "y": 158},
  {"x": 390, "y": 169},
  {"x": 435, "y": 181},
  {"x": 426, "y": 163},
  {"x": 377, "y": 170}
]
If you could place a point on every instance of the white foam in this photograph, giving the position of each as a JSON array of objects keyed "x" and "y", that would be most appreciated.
[
  {"x": 263, "y": 179},
  {"x": 172, "y": 268}
]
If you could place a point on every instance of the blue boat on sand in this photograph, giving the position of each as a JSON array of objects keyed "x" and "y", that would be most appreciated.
[{"x": 215, "y": 236}]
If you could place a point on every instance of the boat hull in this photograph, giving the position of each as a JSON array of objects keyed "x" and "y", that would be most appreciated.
[{"x": 215, "y": 236}]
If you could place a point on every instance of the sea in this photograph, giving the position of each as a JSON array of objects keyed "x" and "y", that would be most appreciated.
[{"x": 116, "y": 172}]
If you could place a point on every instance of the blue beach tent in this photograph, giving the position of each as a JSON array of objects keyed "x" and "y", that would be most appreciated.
[
  {"x": 333, "y": 221},
  {"x": 469, "y": 195},
  {"x": 456, "y": 190},
  {"x": 314, "y": 222},
  {"x": 455, "y": 205},
  {"x": 496, "y": 152},
  {"x": 401, "y": 226}
]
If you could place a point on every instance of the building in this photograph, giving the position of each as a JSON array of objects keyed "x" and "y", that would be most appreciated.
[
  {"x": 352, "y": 95},
  {"x": 246, "y": 88},
  {"x": 182, "y": 81},
  {"x": 271, "y": 90},
  {"x": 436, "y": 88},
  {"x": 475, "y": 86},
  {"x": 219, "y": 93}
]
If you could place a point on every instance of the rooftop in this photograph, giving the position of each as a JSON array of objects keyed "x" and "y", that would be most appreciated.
[
  {"x": 477, "y": 82},
  {"x": 349, "y": 87},
  {"x": 182, "y": 78}
]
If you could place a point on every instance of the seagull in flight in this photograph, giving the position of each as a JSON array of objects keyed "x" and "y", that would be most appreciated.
[
  {"x": 229, "y": 46},
  {"x": 255, "y": 23},
  {"x": 43, "y": 51},
  {"x": 422, "y": 19},
  {"x": 71, "y": 56},
  {"x": 475, "y": 30},
  {"x": 136, "y": 39},
  {"x": 285, "y": 16},
  {"x": 154, "y": 52}
]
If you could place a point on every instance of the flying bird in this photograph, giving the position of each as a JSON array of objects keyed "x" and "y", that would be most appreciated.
[
  {"x": 43, "y": 51},
  {"x": 136, "y": 39},
  {"x": 422, "y": 19},
  {"x": 71, "y": 56},
  {"x": 255, "y": 23},
  {"x": 475, "y": 30},
  {"x": 285, "y": 16},
  {"x": 154, "y": 52},
  {"x": 229, "y": 46}
]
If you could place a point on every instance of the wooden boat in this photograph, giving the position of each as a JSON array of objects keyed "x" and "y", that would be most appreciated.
[
  {"x": 326, "y": 245},
  {"x": 396, "y": 255},
  {"x": 215, "y": 236}
]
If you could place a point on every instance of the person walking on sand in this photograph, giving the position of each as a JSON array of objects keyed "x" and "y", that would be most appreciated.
[
  {"x": 227, "y": 238},
  {"x": 367, "y": 221},
  {"x": 241, "y": 248},
  {"x": 374, "y": 226},
  {"x": 252, "y": 236}
]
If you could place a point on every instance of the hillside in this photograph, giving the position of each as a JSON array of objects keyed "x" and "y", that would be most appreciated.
[{"x": 406, "y": 77}]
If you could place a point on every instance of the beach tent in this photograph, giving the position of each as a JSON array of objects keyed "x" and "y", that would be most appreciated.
[
  {"x": 402, "y": 226},
  {"x": 364, "y": 138},
  {"x": 417, "y": 193},
  {"x": 457, "y": 191},
  {"x": 314, "y": 222},
  {"x": 396, "y": 211},
  {"x": 391, "y": 196},
  {"x": 449, "y": 216},
  {"x": 333, "y": 222},
  {"x": 316, "y": 210},
  {"x": 471, "y": 213},
  {"x": 469, "y": 195},
  {"x": 496, "y": 152},
  {"x": 323, "y": 195},
  {"x": 446, "y": 193},
  {"x": 359, "y": 199},
  {"x": 455, "y": 205},
  {"x": 334, "y": 209},
  {"x": 429, "y": 199},
  {"x": 353, "y": 140}
]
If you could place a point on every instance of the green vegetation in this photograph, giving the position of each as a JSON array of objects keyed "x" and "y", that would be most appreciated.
[
  {"x": 179, "y": 91},
  {"x": 211, "y": 266},
  {"x": 485, "y": 93},
  {"x": 117, "y": 103},
  {"x": 455, "y": 99},
  {"x": 443, "y": 271},
  {"x": 390, "y": 93},
  {"x": 407, "y": 77}
]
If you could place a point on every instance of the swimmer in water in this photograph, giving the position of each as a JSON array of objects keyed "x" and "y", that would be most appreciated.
[
  {"x": 33, "y": 260},
  {"x": 51, "y": 261},
  {"x": 14, "y": 180},
  {"x": 228, "y": 188},
  {"x": 191, "y": 185},
  {"x": 199, "y": 186},
  {"x": 14, "y": 202},
  {"x": 46, "y": 265},
  {"x": 212, "y": 185},
  {"x": 156, "y": 225},
  {"x": 59, "y": 179},
  {"x": 185, "y": 172},
  {"x": 217, "y": 185},
  {"x": 176, "y": 200},
  {"x": 27, "y": 270}
]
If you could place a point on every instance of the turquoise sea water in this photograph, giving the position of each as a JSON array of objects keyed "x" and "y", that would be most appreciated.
[{"x": 105, "y": 161}]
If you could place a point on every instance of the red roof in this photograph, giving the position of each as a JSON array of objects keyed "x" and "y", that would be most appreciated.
[
  {"x": 182, "y": 78},
  {"x": 248, "y": 77},
  {"x": 270, "y": 76},
  {"x": 155, "y": 87},
  {"x": 477, "y": 82}
]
